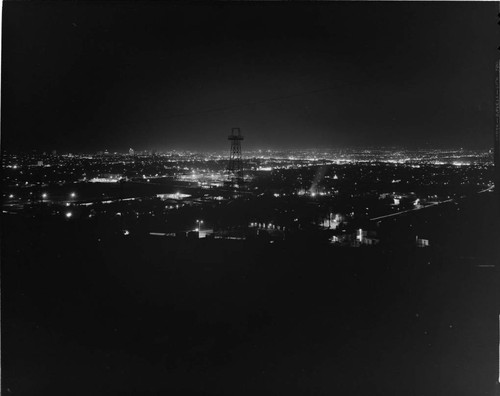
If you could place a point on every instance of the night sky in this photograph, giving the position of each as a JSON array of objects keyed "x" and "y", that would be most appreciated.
[{"x": 83, "y": 76}]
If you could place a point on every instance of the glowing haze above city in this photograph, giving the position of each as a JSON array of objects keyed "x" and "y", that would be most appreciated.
[{"x": 179, "y": 76}]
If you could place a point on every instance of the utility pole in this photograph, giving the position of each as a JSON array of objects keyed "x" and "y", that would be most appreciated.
[{"x": 496, "y": 141}]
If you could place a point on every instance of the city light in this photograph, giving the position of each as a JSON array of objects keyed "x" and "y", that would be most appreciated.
[{"x": 313, "y": 272}]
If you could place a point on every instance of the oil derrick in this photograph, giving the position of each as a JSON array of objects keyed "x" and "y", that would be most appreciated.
[{"x": 235, "y": 165}]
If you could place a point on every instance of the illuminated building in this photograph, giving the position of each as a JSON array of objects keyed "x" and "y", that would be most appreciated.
[{"x": 421, "y": 242}]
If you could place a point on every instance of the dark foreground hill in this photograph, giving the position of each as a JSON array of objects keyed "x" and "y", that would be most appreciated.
[{"x": 89, "y": 312}]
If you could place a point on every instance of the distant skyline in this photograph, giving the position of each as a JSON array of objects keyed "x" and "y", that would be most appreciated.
[
  {"x": 264, "y": 151},
  {"x": 89, "y": 76}
]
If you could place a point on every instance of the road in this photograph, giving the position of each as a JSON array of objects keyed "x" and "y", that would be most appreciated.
[{"x": 490, "y": 188}]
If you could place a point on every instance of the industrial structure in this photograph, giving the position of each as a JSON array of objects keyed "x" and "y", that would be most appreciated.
[{"x": 235, "y": 165}]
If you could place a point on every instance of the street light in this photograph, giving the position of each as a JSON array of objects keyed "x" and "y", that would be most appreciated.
[
  {"x": 44, "y": 195},
  {"x": 73, "y": 195},
  {"x": 200, "y": 222}
]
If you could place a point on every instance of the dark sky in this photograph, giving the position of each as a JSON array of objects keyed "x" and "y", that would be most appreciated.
[{"x": 83, "y": 76}]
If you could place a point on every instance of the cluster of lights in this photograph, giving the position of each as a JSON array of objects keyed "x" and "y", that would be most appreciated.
[{"x": 199, "y": 222}]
